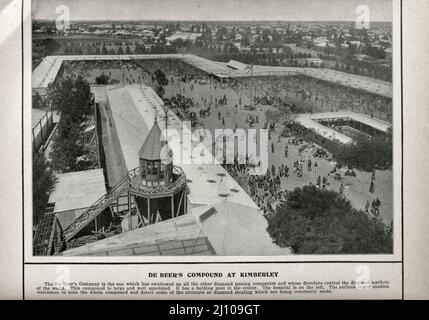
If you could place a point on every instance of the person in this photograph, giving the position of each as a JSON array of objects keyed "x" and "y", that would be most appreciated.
[
  {"x": 324, "y": 180},
  {"x": 377, "y": 206},
  {"x": 316, "y": 167},
  {"x": 371, "y": 186},
  {"x": 272, "y": 147},
  {"x": 341, "y": 189},
  {"x": 309, "y": 164},
  {"x": 318, "y": 181},
  {"x": 286, "y": 151},
  {"x": 373, "y": 206},
  {"x": 377, "y": 202},
  {"x": 367, "y": 206}
]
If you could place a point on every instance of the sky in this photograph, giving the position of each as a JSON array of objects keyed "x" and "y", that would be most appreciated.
[{"x": 289, "y": 10}]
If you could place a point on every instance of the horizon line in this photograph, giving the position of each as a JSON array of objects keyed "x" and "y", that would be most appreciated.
[{"x": 202, "y": 20}]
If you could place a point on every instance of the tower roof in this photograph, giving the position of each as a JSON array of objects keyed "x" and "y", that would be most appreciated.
[{"x": 151, "y": 148}]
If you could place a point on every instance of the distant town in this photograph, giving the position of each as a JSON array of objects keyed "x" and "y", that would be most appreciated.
[{"x": 336, "y": 45}]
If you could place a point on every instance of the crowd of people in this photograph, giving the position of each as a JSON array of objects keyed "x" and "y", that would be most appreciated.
[
  {"x": 267, "y": 190},
  {"x": 116, "y": 71}
]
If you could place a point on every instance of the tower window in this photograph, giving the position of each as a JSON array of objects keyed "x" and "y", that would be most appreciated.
[{"x": 162, "y": 171}]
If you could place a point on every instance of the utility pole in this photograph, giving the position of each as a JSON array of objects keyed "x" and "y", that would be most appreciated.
[{"x": 251, "y": 90}]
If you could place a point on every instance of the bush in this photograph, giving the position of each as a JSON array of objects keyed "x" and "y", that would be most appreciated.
[
  {"x": 102, "y": 79},
  {"x": 315, "y": 221}
]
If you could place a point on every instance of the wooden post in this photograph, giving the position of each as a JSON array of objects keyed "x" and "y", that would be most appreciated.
[
  {"x": 130, "y": 225},
  {"x": 41, "y": 130},
  {"x": 185, "y": 204},
  {"x": 148, "y": 210},
  {"x": 180, "y": 203},
  {"x": 140, "y": 215},
  {"x": 34, "y": 141},
  {"x": 172, "y": 205}
]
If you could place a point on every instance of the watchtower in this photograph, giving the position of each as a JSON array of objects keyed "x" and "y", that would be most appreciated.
[{"x": 159, "y": 187}]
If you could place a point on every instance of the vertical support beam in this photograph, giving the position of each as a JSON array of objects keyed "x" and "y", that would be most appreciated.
[
  {"x": 180, "y": 203},
  {"x": 95, "y": 222},
  {"x": 96, "y": 134},
  {"x": 158, "y": 164},
  {"x": 130, "y": 224},
  {"x": 148, "y": 210},
  {"x": 251, "y": 91},
  {"x": 34, "y": 141},
  {"x": 139, "y": 214},
  {"x": 186, "y": 201},
  {"x": 172, "y": 205}
]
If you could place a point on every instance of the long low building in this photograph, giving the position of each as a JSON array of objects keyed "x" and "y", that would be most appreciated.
[
  {"x": 74, "y": 192},
  {"x": 47, "y": 71},
  {"x": 315, "y": 122}
]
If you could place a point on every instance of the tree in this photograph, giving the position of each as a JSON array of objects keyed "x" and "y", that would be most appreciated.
[
  {"x": 366, "y": 153},
  {"x": 66, "y": 146},
  {"x": 160, "y": 91},
  {"x": 37, "y": 101},
  {"x": 43, "y": 184},
  {"x": 102, "y": 79},
  {"x": 221, "y": 33},
  {"x": 160, "y": 77},
  {"x": 315, "y": 221},
  {"x": 71, "y": 96}
]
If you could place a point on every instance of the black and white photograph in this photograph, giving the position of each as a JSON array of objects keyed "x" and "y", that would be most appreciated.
[{"x": 213, "y": 128}]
